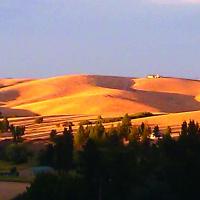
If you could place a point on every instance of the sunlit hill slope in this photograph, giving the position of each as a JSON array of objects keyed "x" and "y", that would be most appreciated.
[{"x": 93, "y": 94}]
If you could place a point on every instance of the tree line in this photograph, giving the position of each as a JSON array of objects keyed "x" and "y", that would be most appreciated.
[{"x": 121, "y": 163}]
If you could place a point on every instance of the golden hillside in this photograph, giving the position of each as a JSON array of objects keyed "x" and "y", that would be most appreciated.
[{"x": 92, "y": 94}]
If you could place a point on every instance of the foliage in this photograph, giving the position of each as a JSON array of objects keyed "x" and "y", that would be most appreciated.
[
  {"x": 59, "y": 154},
  {"x": 106, "y": 169},
  {"x": 53, "y": 134},
  {"x": 51, "y": 187},
  {"x": 156, "y": 132},
  {"x": 4, "y": 125},
  {"x": 66, "y": 124},
  {"x": 17, "y": 133},
  {"x": 141, "y": 115},
  {"x": 39, "y": 120},
  {"x": 80, "y": 137},
  {"x": 85, "y": 122},
  {"x": 17, "y": 153}
]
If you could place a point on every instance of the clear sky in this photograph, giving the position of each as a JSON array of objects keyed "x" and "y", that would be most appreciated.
[{"x": 40, "y": 38}]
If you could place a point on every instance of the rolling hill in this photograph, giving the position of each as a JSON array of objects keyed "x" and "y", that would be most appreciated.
[{"x": 94, "y": 94}]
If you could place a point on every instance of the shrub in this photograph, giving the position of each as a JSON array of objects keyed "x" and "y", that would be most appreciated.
[
  {"x": 17, "y": 133},
  {"x": 85, "y": 122},
  {"x": 17, "y": 153},
  {"x": 14, "y": 171},
  {"x": 4, "y": 125},
  {"x": 65, "y": 124},
  {"x": 53, "y": 134},
  {"x": 141, "y": 115},
  {"x": 39, "y": 120},
  {"x": 111, "y": 119}
]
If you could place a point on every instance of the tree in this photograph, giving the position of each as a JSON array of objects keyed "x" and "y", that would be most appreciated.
[
  {"x": 17, "y": 153},
  {"x": 80, "y": 137},
  {"x": 90, "y": 162},
  {"x": 53, "y": 134},
  {"x": 134, "y": 136},
  {"x": 146, "y": 134},
  {"x": 142, "y": 126},
  {"x": 193, "y": 128},
  {"x": 126, "y": 125},
  {"x": 39, "y": 120},
  {"x": 97, "y": 132},
  {"x": 1, "y": 115},
  {"x": 168, "y": 131},
  {"x": 99, "y": 119},
  {"x": 46, "y": 156},
  {"x": 184, "y": 128},
  {"x": 156, "y": 132},
  {"x": 126, "y": 121},
  {"x": 168, "y": 142},
  {"x": 54, "y": 186},
  {"x": 17, "y": 133},
  {"x": 112, "y": 136},
  {"x": 64, "y": 151},
  {"x": 4, "y": 125}
]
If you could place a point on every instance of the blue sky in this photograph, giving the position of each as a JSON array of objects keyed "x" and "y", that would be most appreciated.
[{"x": 40, "y": 38}]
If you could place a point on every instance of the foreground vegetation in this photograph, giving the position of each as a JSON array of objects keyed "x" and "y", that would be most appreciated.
[{"x": 119, "y": 163}]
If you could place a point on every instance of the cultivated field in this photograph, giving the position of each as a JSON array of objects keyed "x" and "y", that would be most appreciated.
[
  {"x": 78, "y": 97},
  {"x": 41, "y": 131}
]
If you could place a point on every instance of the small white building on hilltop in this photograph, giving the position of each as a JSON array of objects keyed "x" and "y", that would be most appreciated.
[{"x": 151, "y": 76}]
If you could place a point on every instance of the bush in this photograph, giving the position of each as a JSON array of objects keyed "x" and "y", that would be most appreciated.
[
  {"x": 66, "y": 124},
  {"x": 141, "y": 115},
  {"x": 51, "y": 187},
  {"x": 14, "y": 171},
  {"x": 53, "y": 134},
  {"x": 4, "y": 125},
  {"x": 39, "y": 120},
  {"x": 85, "y": 122},
  {"x": 17, "y": 153},
  {"x": 111, "y": 119},
  {"x": 132, "y": 116}
]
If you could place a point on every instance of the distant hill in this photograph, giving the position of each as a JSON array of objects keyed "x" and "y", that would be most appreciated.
[{"x": 94, "y": 94}]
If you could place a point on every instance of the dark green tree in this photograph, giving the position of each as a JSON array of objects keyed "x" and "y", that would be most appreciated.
[
  {"x": 134, "y": 136},
  {"x": 184, "y": 128},
  {"x": 113, "y": 136},
  {"x": 17, "y": 133},
  {"x": 97, "y": 132},
  {"x": 126, "y": 126},
  {"x": 80, "y": 137},
  {"x": 192, "y": 128},
  {"x": 53, "y": 134},
  {"x": 4, "y": 125},
  {"x": 156, "y": 132},
  {"x": 63, "y": 151}
]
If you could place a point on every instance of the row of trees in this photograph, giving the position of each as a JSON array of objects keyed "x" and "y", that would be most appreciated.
[
  {"x": 103, "y": 168},
  {"x": 123, "y": 132},
  {"x": 17, "y": 131},
  {"x": 122, "y": 135},
  {"x": 121, "y": 162}
]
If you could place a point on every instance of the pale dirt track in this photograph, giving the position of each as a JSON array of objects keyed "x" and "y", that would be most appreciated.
[{"x": 9, "y": 190}]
